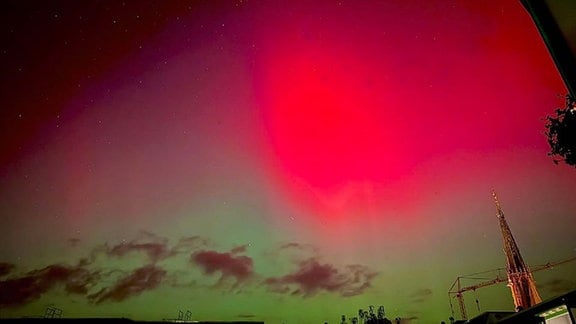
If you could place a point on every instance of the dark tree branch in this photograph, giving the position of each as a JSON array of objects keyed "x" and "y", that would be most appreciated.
[{"x": 561, "y": 133}]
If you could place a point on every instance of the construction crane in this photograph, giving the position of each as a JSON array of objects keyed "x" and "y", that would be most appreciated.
[
  {"x": 458, "y": 289},
  {"x": 518, "y": 275}
]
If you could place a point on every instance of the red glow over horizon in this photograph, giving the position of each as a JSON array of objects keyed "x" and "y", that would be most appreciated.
[
  {"x": 348, "y": 120},
  {"x": 325, "y": 128},
  {"x": 330, "y": 117}
]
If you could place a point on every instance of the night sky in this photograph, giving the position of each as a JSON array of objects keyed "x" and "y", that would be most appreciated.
[{"x": 283, "y": 161}]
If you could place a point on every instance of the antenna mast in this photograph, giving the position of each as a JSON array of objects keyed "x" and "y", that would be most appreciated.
[{"x": 520, "y": 279}]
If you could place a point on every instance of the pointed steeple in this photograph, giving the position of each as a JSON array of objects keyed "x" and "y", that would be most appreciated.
[{"x": 520, "y": 278}]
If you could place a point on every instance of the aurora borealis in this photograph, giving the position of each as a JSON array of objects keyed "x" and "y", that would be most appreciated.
[{"x": 283, "y": 161}]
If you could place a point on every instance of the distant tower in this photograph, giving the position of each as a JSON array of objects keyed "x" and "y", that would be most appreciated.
[{"x": 520, "y": 278}]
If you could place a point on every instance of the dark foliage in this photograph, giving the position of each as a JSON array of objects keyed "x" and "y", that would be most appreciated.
[{"x": 561, "y": 133}]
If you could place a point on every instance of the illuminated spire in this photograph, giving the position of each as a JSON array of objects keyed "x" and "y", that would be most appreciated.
[{"x": 520, "y": 278}]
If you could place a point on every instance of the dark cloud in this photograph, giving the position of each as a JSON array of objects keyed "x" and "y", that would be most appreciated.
[
  {"x": 138, "y": 281},
  {"x": 231, "y": 268},
  {"x": 558, "y": 286},
  {"x": 154, "y": 251},
  {"x": 292, "y": 245},
  {"x": 421, "y": 295},
  {"x": 30, "y": 286},
  {"x": 229, "y": 265},
  {"x": 239, "y": 249},
  {"x": 73, "y": 241},
  {"x": 155, "y": 247},
  {"x": 20, "y": 289},
  {"x": 306, "y": 248},
  {"x": 5, "y": 268},
  {"x": 190, "y": 244},
  {"x": 292, "y": 252},
  {"x": 312, "y": 277}
]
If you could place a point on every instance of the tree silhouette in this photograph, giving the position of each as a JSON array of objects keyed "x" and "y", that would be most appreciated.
[{"x": 561, "y": 133}]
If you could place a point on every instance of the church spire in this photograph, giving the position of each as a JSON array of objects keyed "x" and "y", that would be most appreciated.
[{"x": 520, "y": 278}]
